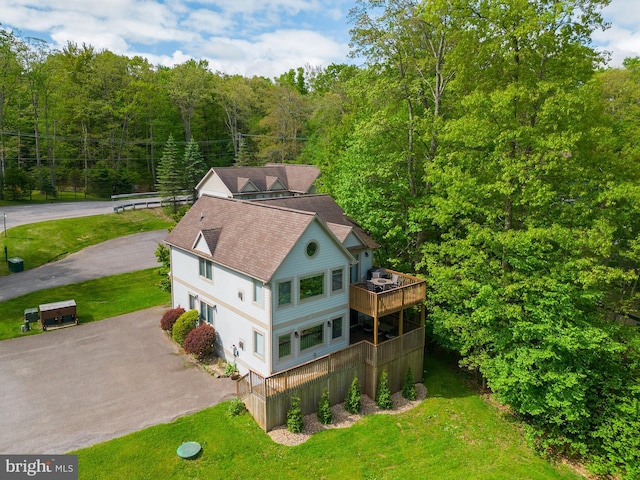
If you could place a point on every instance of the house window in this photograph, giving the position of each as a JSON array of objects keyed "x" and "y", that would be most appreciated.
[
  {"x": 284, "y": 345},
  {"x": 257, "y": 291},
  {"x": 311, "y": 337},
  {"x": 311, "y": 286},
  {"x": 258, "y": 344},
  {"x": 336, "y": 328},
  {"x": 206, "y": 269},
  {"x": 336, "y": 280},
  {"x": 312, "y": 249},
  {"x": 284, "y": 293},
  {"x": 192, "y": 302},
  {"x": 206, "y": 313}
]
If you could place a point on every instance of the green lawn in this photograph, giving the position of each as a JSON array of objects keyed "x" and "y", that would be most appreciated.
[
  {"x": 63, "y": 196},
  {"x": 96, "y": 299},
  {"x": 40, "y": 243},
  {"x": 453, "y": 434}
]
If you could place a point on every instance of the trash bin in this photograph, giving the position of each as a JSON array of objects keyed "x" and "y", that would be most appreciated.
[{"x": 16, "y": 264}]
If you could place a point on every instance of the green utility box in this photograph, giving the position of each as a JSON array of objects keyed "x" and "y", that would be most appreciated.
[
  {"x": 31, "y": 315},
  {"x": 16, "y": 264}
]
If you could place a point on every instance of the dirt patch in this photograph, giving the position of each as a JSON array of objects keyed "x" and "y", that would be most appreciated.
[{"x": 344, "y": 419}]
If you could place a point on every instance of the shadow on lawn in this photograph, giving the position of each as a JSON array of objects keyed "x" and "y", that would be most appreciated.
[{"x": 444, "y": 378}]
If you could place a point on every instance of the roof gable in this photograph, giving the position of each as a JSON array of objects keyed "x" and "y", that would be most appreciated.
[
  {"x": 207, "y": 240},
  {"x": 274, "y": 183},
  {"x": 246, "y": 185},
  {"x": 248, "y": 237},
  {"x": 211, "y": 184}
]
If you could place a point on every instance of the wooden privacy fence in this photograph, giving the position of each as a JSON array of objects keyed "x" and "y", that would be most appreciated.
[{"x": 268, "y": 399}]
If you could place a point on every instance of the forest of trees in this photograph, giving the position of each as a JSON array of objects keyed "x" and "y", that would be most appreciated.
[
  {"x": 98, "y": 122},
  {"x": 483, "y": 143}
]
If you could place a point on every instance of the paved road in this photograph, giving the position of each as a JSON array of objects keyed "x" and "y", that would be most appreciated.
[
  {"x": 24, "y": 214},
  {"x": 120, "y": 255},
  {"x": 71, "y": 388}
]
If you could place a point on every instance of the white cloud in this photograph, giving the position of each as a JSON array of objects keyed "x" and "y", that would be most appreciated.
[
  {"x": 622, "y": 39},
  {"x": 249, "y": 37}
]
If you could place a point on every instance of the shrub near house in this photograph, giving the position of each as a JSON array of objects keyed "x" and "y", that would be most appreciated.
[
  {"x": 185, "y": 323},
  {"x": 169, "y": 318},
  {"x": 199, "y": 341}
]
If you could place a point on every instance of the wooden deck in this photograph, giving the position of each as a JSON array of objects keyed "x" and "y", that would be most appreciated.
[{"x": 410, "y": 291}]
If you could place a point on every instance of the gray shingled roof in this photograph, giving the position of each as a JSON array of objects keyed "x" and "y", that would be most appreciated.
[
  {"x": 248, "y": 237},
  {"x": 295, "y": 178},
  {"x": 328, "y": 210}
]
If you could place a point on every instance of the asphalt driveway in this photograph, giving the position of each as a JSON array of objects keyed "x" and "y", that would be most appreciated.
[
  {"x": 119, "y": 255},
  {"x": 74, "y": 387}
]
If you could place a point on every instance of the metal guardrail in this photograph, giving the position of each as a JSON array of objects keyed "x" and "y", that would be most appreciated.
[
  {"x": 151, "y": 204},
  {"x": 184, "y": 193},
  {"x": 135, "y": 195}
]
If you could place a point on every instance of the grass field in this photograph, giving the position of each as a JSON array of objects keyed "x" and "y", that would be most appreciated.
[
  {"x": 96, "y": 299},
  {"x": 452, "y": 434},
  {"x": 63, "y": 196},
  {"x": 40, "y": 243}
]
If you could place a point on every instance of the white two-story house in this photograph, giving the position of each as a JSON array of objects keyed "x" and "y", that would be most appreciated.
[{"x": 271, "y": 276}]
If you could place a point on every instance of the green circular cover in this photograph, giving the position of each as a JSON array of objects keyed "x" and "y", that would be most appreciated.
[{"x": 189, "y": 449}]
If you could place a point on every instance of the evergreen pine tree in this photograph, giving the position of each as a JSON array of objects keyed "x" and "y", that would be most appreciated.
[
  {"x": 352, "y": 403},
  {"x": 409, "y": 386},
  {"x": 295, "y": 423},
  {"x": 170, "y": 173},
  {"x": 194, "y": 166},
  {"x": 383, "y": 395},
  {"x": 325, "y": 416}
]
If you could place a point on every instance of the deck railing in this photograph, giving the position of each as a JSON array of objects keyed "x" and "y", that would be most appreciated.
[{"x": 410, "y": 291}]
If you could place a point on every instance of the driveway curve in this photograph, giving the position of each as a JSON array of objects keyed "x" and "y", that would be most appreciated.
[
  {"x": 119, "y": 255},
  {"x": 41, "y": 212},
  {"x": 71, "y": 388}
]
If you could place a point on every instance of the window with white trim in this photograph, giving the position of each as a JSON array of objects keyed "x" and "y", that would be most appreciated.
[
  {"x": 336, "y": 328},
  {"x": 207, "y": 313},
  {"x": 284, "y": 345},
  {"x": 310, "y": 337},
  {"x": 337, "y": 279},
  {"x": 258, "y": 343},
  {"x": 312, "y": 286},
  {"x": 206, "y": 269},
  {"x": 257, "y": 291},
  {"x": 284, "y": 293}
]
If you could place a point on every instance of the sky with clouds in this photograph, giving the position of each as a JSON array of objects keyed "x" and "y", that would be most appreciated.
[{"x": 247, "y": 37}]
